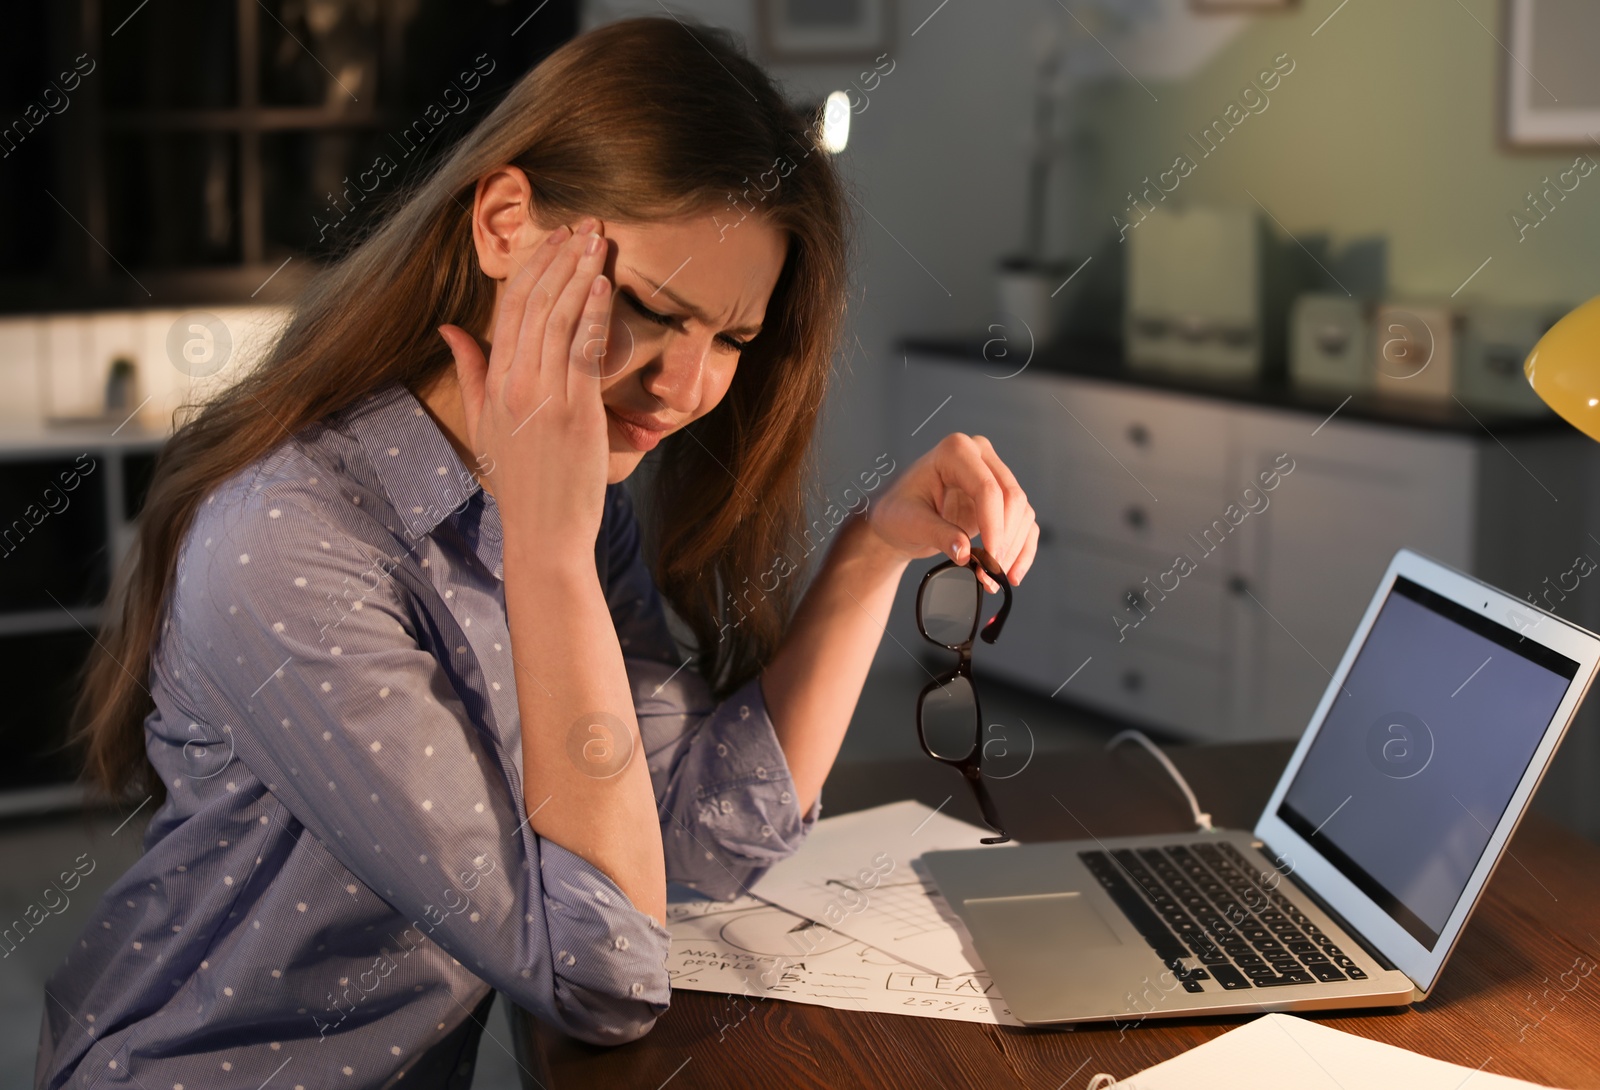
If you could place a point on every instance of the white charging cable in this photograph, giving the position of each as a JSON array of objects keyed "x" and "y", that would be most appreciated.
[{"x": 1202, "y": 820}]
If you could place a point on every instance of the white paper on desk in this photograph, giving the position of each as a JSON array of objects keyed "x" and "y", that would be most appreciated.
[
  {"x": 1278, "y": 1050},
  {"x": 749, "y": 949},
  {"x": 896, "y": 911}
]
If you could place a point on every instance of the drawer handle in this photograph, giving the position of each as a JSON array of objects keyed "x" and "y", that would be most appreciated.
[
  {"x": 1133, "y": 680},
  {"x": 1136, "y": 517},
  {"x": 1138, "y": 435}
]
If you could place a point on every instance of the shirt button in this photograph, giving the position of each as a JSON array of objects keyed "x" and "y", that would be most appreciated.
[
  {"x": 766, "y": 830},
  {"x": 761, "y": 772},
  {"x": 785, "y": 797},
  {"x": 727, "y": 806}
]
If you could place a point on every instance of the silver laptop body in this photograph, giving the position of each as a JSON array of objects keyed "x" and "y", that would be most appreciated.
[{"x": 1365, "y": 864}]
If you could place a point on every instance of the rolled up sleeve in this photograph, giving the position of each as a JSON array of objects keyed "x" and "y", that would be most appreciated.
[
  {"x": 355, "y": 727},
  {"x": 723, "y": 790},
  {"x": 728, "y": 805}
]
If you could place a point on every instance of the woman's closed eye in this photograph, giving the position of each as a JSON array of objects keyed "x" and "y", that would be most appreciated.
[{"x": 730, "y": 344}]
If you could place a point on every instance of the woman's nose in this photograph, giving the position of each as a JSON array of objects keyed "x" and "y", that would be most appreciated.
[{"x": 676, "y": 378}]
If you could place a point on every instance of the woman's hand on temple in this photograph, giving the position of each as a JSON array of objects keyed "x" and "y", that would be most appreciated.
[
  {"x": 958, "y": 490},
  {"x": 533, "y": 411}
]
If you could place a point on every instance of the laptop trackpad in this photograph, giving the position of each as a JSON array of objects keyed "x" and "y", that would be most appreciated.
[{"x": 1053, "y": 921}]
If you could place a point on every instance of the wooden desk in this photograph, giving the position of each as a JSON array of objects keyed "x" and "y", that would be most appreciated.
[{"x": 1540, "y": 914}]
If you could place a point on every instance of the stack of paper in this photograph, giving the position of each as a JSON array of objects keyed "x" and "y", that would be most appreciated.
[
  {"x": 855, "y": 875},
  {"x": 1278, "y": 1050},
  {"x": 845, "y": 923}
]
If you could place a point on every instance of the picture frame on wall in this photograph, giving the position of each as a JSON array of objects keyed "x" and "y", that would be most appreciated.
[
  {"x": 1550, "y": 88},
  {"x": 824, "y": 31}
]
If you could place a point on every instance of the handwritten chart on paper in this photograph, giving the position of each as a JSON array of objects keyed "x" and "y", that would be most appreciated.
[
  {"x": 752, "y": 950},
  {"x": 853, "y": 873}
]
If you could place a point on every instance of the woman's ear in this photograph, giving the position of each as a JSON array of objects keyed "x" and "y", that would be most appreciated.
[{"x": 503, "y": 227}]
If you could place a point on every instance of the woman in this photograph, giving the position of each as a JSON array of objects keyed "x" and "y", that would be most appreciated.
[{"x": 418, "y": 731}]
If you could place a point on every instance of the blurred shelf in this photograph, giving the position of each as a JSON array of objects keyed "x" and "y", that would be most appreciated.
[{"x": 263, "y": 282}]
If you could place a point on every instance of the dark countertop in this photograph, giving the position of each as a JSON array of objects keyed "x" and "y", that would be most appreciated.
[{"x": 1103, "y": 360}]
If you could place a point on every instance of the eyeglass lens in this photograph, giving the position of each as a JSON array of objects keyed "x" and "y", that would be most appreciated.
[
  {"x": 950, "y": 720},
  {"x": 950, "y": 605}
]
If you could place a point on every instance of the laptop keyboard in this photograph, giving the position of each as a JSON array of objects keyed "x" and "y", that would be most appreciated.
[{"x": 1201, "y": 901}]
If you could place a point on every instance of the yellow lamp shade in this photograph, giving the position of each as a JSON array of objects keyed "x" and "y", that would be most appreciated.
[{"x": 1564, "y": 368}]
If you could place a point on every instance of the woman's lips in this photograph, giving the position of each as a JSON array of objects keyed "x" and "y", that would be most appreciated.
[{"x": 639, "y": 438}]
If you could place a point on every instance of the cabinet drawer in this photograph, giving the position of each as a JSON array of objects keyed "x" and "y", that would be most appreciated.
[
  {"x": 1145, "y": 685},
  {"x": 1112, "y": 509},
  {"x": 1140, "y": 434},
  {"x": 1096, "y": 592}
]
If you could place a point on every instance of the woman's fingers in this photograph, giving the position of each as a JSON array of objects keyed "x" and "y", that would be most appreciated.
[
  {"x": 999, "y": 506},
  {"x": 589, "y": 343},
  {"x": 958, "y": 510},
  {"x": 963, "y": 467},
  {"x": 927, "y": 526},
  {"x": 519, "y": 290},
  {"x": 1018, "y": 511},
  {"x": 1030, "y": 548},
  {"x": 563, "y": 330},
  {"x": 535, "y": 378}
]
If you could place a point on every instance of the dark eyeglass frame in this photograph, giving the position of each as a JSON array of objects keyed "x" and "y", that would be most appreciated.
[{"x": 970, "y": 765}]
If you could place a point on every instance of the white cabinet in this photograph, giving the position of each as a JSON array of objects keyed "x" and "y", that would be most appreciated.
[
  {"x": 1308, "y": 563},
  {"x": 1205, "y": 561}
]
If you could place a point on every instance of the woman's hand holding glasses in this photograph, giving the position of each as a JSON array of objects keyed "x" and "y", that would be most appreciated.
[{"x": 957, "y": 491}]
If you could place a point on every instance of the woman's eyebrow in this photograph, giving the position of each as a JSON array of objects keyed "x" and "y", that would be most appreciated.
[{"x": 747, "y": 331}]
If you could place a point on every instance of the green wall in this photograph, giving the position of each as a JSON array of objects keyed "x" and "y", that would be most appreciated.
[{"x": 1388, "y": 125}]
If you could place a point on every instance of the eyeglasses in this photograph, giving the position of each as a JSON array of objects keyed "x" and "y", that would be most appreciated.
[{"x": 949, "y": 723}]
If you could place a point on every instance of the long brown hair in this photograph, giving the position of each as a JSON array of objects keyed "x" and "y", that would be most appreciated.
[{"x": 638, "y": 120}]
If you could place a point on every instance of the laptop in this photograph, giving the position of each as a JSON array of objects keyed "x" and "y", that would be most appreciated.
[{"x": 1361, "y": 872}]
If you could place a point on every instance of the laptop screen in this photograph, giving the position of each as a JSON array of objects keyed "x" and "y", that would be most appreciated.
[{"x": 1421, "y": 751}]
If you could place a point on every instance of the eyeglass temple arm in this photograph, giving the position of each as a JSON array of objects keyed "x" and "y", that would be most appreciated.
[
  {"x": 991, "y": 816},
  {"x": 991, "y": 631}
]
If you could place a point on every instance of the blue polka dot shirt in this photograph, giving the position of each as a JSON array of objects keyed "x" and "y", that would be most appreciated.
[{"x": 343, "y": 873}]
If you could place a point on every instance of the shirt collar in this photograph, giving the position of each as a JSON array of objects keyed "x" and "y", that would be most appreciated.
[{"x": 414, "y": 461}]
